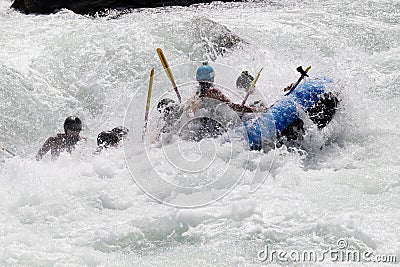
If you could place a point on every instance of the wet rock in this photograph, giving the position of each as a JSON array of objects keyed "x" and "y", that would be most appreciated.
[{"x": 203, "y": 38}]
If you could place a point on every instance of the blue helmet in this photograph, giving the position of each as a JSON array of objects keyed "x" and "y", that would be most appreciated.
[{"x": 205, "y": 73}]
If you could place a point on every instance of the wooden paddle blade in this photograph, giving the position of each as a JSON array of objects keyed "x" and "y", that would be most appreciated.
[{"x": 168, "y": 72}]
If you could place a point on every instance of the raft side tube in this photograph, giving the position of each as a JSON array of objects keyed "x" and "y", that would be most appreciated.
[{"x": 281, "y": 115}]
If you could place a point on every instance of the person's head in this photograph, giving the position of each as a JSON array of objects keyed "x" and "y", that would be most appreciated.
[
  {"x": 111, "y": 138},
  {"x": 72, "y": 126},
  {"x": 166, "y": 105},
  {"x": 244, "y": 81},
  {"x": 121, "y": 131},
  {"x": 108, "y": 139},
  {"x": 205, "y": 76}
]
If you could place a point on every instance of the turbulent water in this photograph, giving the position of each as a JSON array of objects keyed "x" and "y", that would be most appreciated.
[{"x": 89, "y": 210}]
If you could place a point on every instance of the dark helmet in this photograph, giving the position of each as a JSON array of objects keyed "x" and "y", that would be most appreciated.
[
  {"x": 244, "y": 80},
  {"x": 73, "y": 123},
  {"x": 121, "y": 131},
  {"x": 107, "y": 139},
  {"x": 165, "y": 105}
]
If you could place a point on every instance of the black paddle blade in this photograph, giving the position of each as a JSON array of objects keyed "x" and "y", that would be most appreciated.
[{"x": 302, "y": 72}]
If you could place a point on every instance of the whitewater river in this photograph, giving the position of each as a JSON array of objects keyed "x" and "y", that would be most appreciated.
[{"x": 124, "y": 206}]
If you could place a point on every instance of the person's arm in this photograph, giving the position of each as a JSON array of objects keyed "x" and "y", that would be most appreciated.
[
  {"x": 155, "y": 139},
  {"x": 217, "y": 94},
  {"x": 240, "y": 108},
  {"x": 247, "y": 109},
  {"x": 45, "y": 148}
]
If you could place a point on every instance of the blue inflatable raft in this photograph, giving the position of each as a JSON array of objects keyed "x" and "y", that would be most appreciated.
[{"x": 283, "y": 117}]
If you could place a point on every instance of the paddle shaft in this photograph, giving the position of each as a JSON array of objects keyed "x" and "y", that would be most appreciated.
[
  {"x": 253, "y": 84},
  {"x": 8, "y": 151},
  {"x": 303, "y": 74},
  {"x": 168, "y": 72},
  {"x": 146, "y": 115}
]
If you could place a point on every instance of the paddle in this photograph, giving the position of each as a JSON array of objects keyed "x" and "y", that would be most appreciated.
[
  {"x": 250, "y": 90},
  {"x": 168, "y": 72},
  {"x": 8, "y": 151},
  {"x": 146, "y": 115},
  {"x": 303, "y": 74}
]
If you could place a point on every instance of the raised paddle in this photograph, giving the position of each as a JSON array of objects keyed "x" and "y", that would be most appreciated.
[
  {"x": 168, "y": 72},
  {"x": 8, "y": 151},
  {"x": 251, "y": 88},
  {"x": 303, "y": 74},
  {"x": 146, "y": 115}
]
